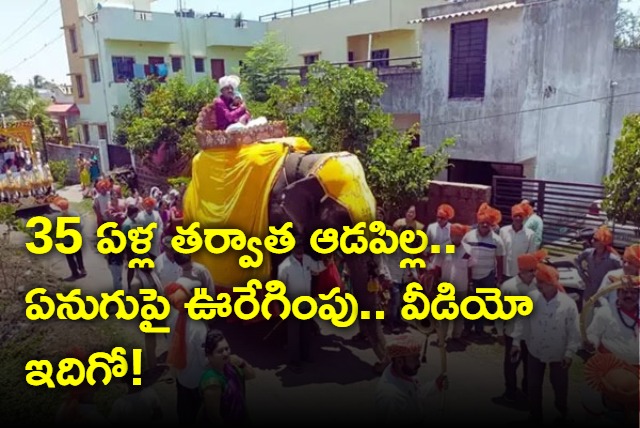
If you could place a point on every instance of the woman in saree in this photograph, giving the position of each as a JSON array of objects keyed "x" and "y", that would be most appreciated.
[{"x": 223, "y": 384}]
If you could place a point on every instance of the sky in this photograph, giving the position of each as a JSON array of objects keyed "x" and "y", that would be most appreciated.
[{"x": 31, "y": 41}]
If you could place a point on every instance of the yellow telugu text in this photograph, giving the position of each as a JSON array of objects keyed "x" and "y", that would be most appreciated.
[
  {"x": 102, "y": 366},
  {"x": 192, "y": 239},
  {"x": 74, "y": 306},
  {"x": 518, "y": 305}
]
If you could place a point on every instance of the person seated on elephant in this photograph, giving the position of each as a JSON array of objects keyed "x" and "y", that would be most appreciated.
[{"x": 229, "y": 113}]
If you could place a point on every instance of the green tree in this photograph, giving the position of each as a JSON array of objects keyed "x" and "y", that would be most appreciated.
[
  {"x": 339, "y": 109},
  {"x": 621, "y": 187},
  {"x": 164, "y": 113},
  {"x": 262, "y": 68},
  {"x": 627, "y": 29}
]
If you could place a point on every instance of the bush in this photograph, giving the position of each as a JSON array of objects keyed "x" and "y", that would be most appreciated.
[{"x": 59, "y": 171}]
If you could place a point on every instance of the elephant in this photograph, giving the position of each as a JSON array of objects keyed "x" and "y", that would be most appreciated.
[{"x": 298, "y": 197}]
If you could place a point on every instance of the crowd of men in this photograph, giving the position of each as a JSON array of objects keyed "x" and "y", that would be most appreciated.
[{"x": 486, "y": 256}]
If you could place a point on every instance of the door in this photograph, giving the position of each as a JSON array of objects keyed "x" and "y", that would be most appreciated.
[{"x": 217, "y": 68}]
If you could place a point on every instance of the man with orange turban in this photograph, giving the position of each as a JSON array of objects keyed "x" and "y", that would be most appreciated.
[
  {"x": 146, "y": 217},
  {"x": 614, "y": 332},
  {"x": 533, "y": 221},
  {"x": 75, "y": 261},
  {"x": 400, "y": 398},
  {"x": 596, "y": 262},
  {"x": 517, "y": 240},
  {"x": 630, "y": 267},
  {"x": 186, "y": 352},
  {"x": 101, "y": 201},
  {"x": 552, "y": 337},
  {"x": 487, "y": 251},
  {"x": 456, "y": 269},
  {"x": 438, "y": 232},
  {"x": 520, "y": 285}
]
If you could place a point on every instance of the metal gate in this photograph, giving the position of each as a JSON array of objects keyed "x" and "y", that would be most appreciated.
[
  {"x": 566, "y": 208},
  {"x": 118, "y": 156}
]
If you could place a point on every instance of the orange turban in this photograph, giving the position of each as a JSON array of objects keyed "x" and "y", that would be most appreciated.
[
  {"x": 178, "y": 296},
  {"x": 530, "y": 261},
  {"x": 149, "y": 202},
  {"x": 632, "y": 255},
  {"x": 548, "y": 275},
  {"x": 446, "y": 211},
  {"x": 528, "y": 209},
  {"x": 403, "y": 346},
  {"x": 519, "y": 210},
  {"x": 458, "y": 229},
  {"x": 103, "y": 185},
  {"x": 604, "y": 235},
  {"x": 62, "y": 203},
  {"x": 487, "y": 214}
]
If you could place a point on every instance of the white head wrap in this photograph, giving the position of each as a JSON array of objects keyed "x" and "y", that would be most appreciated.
[{"x": 233, "y": 81}]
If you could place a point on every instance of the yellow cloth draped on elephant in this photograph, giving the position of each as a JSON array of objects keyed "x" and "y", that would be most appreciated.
[{"x": 231, "y": 187}]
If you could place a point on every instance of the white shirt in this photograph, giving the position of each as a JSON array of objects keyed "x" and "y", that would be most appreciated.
[
  {"x": 439, "y": 235},
  {"x": 609, "y": 330},
  {"x": 196, "y": 334},
  {"x": 397, "y": 274},
  {"x": 455, "y": 267},
  {"x": 145, "y": 220},
  {"x": 138, "y": 407},
  {"x": 102, "y": 201},
  {"x": 200, "y": 273},
  {"x": 516, "y": 244},
  {"x": 551, "y": 331},
  {"x": 484, "y": 250},
  {"x": 612, "y": 297},
  {"x": 400, "y": 401},
  {"x": 167, "y": 271},
  {"x": 513, "y": 287},
  {"x": 296, "y": 276}
]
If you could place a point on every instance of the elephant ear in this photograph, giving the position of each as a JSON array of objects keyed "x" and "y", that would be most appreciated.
[{"x": 301, "y": 202}]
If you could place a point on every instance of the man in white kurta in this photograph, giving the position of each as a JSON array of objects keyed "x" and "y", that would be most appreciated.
[
  {"x": 295, "y": 272},
  {"x": 145, "y": 218},
  {"x": 401, "y": 399},
  {"x": 552, "y": 336},
  {"x": 517, "y": 240},
  {"x": 630, "y": 266},
  {"x": 520, "y": 285}
]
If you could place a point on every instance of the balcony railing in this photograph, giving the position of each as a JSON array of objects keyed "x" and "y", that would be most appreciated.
[
  {"x": 311, "y": 8},
  {"x": 385, "y": 66}
]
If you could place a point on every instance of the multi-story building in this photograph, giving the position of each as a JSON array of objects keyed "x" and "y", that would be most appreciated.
[
  {"x": 372, "y": 33},
  {"x": 109, "y": 44},
  {"x": 531, "y": 88}
]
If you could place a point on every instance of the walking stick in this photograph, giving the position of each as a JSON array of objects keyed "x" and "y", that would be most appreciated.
[
  {"x": 443, "y": 359},
  {"x": 273, "y": 329}
]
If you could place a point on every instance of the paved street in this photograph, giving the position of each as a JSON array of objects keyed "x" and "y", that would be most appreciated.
[{"x": 340, "y": 379}]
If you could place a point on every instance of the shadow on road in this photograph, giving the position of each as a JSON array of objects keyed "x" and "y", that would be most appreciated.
[{"x": 333, "y": 361}]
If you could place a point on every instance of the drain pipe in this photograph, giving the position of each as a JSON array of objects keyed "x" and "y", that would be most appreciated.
[{"x": 607, "y": 156}]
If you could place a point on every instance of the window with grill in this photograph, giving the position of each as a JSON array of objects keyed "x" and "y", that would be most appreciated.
[
  {"x": 310, "y": 59},
  {"x": 176, "y": 63},
  {"x": 79, "y": 86},
  {"x": 72, "y": 40},
  {"x": 199, "y": 65},
  {"x": 380, "y": 58},
  {"x": 122, "y": 68},
  {"x": 94, "y": 66},
  {"x": 467, "y": 66},
  {"x": 102, "y": 132}
]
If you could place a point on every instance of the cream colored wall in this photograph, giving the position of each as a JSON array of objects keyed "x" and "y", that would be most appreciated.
[
  {"x": 231, "y": 55},
  {"x": 326, "y": 32},
  {"x": 71, "y": 19}
]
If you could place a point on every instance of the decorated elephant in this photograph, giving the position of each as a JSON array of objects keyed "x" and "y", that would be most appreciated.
[{"x": 270, "y": 183}]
